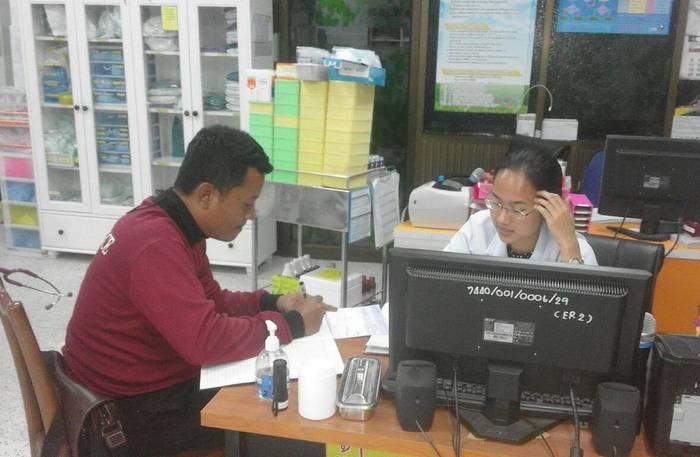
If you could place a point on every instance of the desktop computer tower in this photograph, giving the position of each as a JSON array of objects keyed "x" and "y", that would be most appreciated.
[{"x": 672, "y": 414}]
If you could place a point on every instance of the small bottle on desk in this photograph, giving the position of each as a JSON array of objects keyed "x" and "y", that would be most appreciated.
[{"x": 264, "y": 364}]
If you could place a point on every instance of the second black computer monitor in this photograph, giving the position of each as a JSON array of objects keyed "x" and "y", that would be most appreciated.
[{"x": 656, "y": 179}]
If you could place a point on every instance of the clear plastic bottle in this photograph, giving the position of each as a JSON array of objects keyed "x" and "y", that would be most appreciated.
[{"x": 263, "y": 364}]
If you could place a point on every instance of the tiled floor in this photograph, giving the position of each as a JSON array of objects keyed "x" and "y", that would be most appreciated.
[{"x": 66, "y": 272}]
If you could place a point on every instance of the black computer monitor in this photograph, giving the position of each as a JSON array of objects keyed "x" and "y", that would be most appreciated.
[
  {"x": 515, "y": 333},
  {"x": 656, "y": 179}
]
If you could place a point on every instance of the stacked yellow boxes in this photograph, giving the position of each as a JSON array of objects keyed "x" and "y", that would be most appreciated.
[
  {"x": 286, "y": 130},
  {"x": 261, "y": 125},
  {"x": 348, "y": 132},
  {"x": 312, "y": 125}
]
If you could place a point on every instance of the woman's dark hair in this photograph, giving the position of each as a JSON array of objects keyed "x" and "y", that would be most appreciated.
[
  {"x": 541, "y": 168},
  {"x": 220, "y": 156}
]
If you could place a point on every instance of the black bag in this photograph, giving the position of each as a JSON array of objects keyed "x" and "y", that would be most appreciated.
[{"x": 87, "y": 422}]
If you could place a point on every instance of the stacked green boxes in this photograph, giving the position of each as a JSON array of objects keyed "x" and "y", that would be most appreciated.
[
  {"x": 348, "y": 132},
  {"x": 312, "y": 126},
  {"x": 261, "y": 125},
  {"x": 285, "y": 148}
]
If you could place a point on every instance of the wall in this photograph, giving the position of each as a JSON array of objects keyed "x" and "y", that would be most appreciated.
[{"x": 430, "y": 154}]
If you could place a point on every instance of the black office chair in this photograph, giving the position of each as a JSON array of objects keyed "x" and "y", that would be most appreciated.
[{"x": 640, "y": 255}]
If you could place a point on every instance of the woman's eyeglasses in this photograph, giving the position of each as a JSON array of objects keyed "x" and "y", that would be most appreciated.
[{"x": 497, "y": 205}]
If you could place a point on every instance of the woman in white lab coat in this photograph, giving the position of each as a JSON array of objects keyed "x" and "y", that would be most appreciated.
[{"x": 526, "y": 216}]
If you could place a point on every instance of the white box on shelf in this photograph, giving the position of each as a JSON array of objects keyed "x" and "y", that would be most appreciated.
[
  {"x": 560, "y": 129},
  {"x": 327, "y": 282},
  {"x": 258, "y": 83}
]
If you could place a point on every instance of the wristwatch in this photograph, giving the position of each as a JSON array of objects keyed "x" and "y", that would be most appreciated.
[{"x": 577, "y": 260}]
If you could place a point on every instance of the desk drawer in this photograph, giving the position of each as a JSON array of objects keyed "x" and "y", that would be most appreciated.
[
  {"x": 82, "y": 234},
  {"x": 238, "y": 252}
]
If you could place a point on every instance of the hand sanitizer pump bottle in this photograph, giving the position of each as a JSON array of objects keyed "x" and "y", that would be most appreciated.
[{"x": 264, "y": 363}]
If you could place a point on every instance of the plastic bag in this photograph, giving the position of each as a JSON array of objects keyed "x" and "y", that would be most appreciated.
[
  {"x": 56, "y": 17},
  {"x": 109, "y": 24},
  {"x": 56, "y": 56},
  {"x": 153, "y": 27},
  {"x": 91, "y": 28},
  {"x": 156, "y": 38},
  {"x": 363, "y": 56}
]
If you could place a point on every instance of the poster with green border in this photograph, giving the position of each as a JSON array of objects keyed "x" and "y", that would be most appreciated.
[{"x": 484, "y": 55}]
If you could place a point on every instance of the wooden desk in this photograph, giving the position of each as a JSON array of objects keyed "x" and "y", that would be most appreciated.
[
  {"x": 677, "y": 292},
  {"x": 238, "y": 409}
]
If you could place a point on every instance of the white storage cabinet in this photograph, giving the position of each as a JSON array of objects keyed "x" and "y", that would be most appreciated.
[{"x": 117, "y": 90}]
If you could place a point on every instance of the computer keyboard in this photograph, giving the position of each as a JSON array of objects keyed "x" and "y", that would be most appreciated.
[{"x": 538, "y": 404}]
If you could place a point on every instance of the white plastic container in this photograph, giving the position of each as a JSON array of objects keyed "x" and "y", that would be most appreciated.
[
  {"x": 327, "y": 282},
  {"x": 317, "y": 390}
]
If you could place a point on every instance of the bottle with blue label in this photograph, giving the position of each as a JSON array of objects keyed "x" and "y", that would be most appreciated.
[{"x": 264, "y": 363}]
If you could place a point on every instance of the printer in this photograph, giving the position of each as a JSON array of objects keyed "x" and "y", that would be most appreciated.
[
  {"x": 444, "y": 203},
  {"x": 672, "y": 412}
]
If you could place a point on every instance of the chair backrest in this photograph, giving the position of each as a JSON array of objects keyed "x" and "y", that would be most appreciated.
[
  {"x": 36, "y": 383},
  {"x": 42, "y": 377},
  {"x": 592, "y": 176},
  {"x": 640, "y": 255}
]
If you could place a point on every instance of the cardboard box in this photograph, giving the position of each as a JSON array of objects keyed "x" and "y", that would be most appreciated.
[
  {"x": 692, "y": 228},
  {"x": 258, "y": 83}
]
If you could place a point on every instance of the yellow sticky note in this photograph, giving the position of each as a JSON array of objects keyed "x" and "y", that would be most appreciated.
[{"x": 168, "y": 17}]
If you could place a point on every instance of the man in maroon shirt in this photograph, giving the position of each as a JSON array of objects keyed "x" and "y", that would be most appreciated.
[{"x": 149, "y": 313}]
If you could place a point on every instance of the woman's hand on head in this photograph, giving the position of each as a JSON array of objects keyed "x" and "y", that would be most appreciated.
[{"x": 560, "y": 221}]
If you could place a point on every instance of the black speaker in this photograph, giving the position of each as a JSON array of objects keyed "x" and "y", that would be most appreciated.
[
  {"x": 615, "y": 418},
  {"x": 415, "y": 394}
]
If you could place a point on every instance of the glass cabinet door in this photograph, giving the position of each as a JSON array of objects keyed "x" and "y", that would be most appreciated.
[
  {"x": 164, "y": 73},
  {"x": 215, "y": 70},
  {"x": 57, "y": 81},
  {"x": 107, "y": 130}
]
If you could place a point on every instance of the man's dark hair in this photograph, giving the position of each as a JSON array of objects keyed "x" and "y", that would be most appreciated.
[
  {"x": 221, "y": 156},
  {"x": 542, "y": 169}
]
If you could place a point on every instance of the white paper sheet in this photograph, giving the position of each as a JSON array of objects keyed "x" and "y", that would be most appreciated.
[
  {"x": 379, "y": 344},
  {"x": 686, "y": 127},
  {"x": 319, "y": 346},
  {"x": 357, "y": 321},
  {"x": 385, "y": 208}
]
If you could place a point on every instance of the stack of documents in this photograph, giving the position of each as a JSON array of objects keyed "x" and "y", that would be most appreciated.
[
  {"x": 344, "y": 323},
  {"x": 379, "y": 343}
]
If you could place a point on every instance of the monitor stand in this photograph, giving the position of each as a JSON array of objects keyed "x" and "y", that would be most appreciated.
[
  {"x": 652, "y": 228},
  {"x": 639, "y": 235},
  {"x": 518, "y": 432},
  {"x": 501, "y": 418}
]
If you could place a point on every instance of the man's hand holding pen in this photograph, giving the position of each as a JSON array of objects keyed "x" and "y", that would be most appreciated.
[{"x": 311, "y": 308}]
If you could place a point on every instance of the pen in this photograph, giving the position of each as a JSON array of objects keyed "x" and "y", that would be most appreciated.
[{"x": 302, "y": 288}]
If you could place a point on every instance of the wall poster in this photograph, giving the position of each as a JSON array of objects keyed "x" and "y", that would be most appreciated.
[
  {"x": 634, "y": 17},
  {"x": 484, "y": 55}
]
